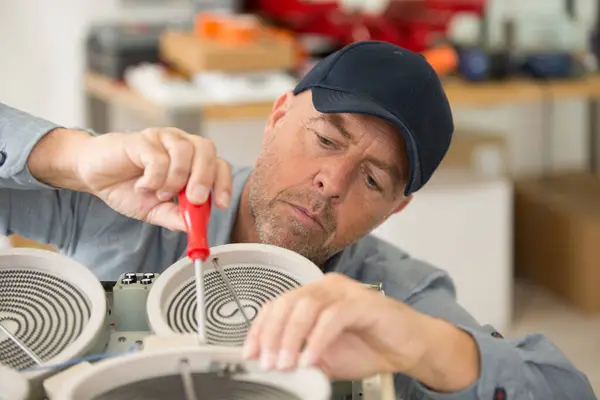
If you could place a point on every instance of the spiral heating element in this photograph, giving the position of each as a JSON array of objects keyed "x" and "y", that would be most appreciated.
[
  {"x": 42, "y": 312},
  {"x": 225, "y": 324}
]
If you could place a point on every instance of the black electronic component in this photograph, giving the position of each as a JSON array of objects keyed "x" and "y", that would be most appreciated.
[{"x": 113, "y": 47}]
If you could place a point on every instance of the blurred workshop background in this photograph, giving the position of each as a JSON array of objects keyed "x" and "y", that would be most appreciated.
[{"x": 514, "y": 212}]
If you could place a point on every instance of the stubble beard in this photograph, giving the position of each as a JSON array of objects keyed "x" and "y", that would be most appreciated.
[{"x": 282, "y": 230}]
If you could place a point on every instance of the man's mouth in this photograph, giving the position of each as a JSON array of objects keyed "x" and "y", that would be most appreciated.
[{"x": 314, "y": 217}]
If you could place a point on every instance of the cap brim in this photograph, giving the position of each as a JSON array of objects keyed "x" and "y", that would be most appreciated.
[{"x": 331, "y": 101}]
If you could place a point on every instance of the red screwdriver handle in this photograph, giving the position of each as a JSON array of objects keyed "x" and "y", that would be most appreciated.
[{"x": 195, "y": 217}]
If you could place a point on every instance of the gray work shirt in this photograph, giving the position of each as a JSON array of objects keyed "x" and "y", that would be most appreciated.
[{"x": 86, "y": 229}]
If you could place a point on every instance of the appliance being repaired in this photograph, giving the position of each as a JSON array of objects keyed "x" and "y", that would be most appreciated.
[{"x": 64, "y": 335}]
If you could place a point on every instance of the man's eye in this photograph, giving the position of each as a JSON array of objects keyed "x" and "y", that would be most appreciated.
[
  {"x": 324, "y": 141},
  {"x": 372, "y": 183}
]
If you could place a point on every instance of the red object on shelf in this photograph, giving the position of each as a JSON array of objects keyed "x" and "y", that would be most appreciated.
[{"x": 412, "y": 24}]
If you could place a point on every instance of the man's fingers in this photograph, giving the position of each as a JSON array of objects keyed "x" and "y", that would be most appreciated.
[
  {"x": 167, "y": 215},
  {"x": 252, "y": 344},
  {"x": 282, "y": 327},
  {"x": 272, "y": 330},
  {"x": 204, "y": 169},
  {"x": 222, "y": 186},
  {"x": 300, "y": 323},
  {"x": 330, "y": 324},
  {"x": 181, "y": 154},
  {"x": 172, "y": 158},
  {"x": 155, "y": 160}
]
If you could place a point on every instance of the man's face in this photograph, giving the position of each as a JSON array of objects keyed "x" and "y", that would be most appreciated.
[{"x": 323, "y": 181}]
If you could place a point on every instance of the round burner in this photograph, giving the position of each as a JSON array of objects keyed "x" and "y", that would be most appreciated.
[
  {"x": 168, "y": 372},
  {"x": 52, "y": 309},
  {"x": 45, "y": 312},
  {"x": 254, "y": 285},
  {"x": 257, "y": 273}
]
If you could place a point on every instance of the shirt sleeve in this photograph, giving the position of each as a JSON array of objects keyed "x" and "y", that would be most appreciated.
[
  {"x": 19, "y": 133},
  {"x": 81, "y": 225},
  {"x": 29, "y": 207},
  {"x": 527, "y": 367}
]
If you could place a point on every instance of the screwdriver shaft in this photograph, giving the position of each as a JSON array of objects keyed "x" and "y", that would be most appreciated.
[
  {"x": 200, "y": 302},
  {"x": 187, "y": 380}
]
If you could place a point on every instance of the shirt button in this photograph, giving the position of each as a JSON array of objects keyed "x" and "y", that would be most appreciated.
[
  {"x": 2, "y": 158},
  {"x": 500, "y": 394}
]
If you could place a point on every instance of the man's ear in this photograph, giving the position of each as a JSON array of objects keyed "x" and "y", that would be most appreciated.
[
  {"x": 403, "y": 204},
  {"x": 280, "y": 108}
]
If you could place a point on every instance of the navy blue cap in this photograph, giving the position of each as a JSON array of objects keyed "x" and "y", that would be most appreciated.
[{"x": 387, "y": 81}]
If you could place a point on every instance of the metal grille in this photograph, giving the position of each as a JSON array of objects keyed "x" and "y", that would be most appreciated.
[
  {"x": 254, "y": 285},
  {"x": 42, "y": 311},
  {"x": 209, "y": 386}
]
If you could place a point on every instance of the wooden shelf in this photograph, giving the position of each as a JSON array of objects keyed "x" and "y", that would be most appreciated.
[
  {"x": 117, "y": 93},
  {"x": 460, "y": 93},
  {"x": 481, "y": 94}
]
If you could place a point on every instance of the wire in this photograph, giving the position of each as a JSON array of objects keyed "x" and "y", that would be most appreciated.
[
  {"x": 547, "y": 129},
  {"x": 94, "y": 357}
]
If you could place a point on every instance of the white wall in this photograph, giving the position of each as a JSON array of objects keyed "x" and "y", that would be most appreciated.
[
  {"x": 473, "y": 244},
  {"x": 41, "y": 62},
  {"x": 42, "y": 44}
]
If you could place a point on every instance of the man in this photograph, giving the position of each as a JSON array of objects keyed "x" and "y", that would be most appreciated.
[{"x": 363, "y": 131}]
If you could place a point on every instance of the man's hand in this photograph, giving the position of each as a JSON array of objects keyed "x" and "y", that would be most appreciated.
[
  {"x": 353, "y": 332},
  {"x": 136, "y": 174}
]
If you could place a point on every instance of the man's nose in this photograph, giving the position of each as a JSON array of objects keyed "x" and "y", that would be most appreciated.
[{"x": 334, "y": 178}]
